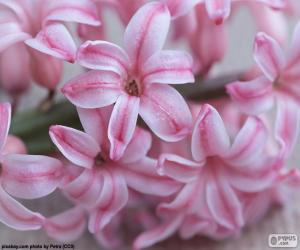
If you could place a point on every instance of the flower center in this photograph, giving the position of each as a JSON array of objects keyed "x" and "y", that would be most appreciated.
[
  {"x": 99, "y": 160},
  {"x": 132, "y": 88}
]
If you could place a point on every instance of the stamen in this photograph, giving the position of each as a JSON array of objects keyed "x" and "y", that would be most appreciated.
[
  {"x": 132, "y": 88},
  {"x": 99, "y": 160}
]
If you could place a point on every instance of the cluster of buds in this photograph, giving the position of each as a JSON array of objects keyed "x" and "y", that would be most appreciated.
[{"x": 186, "y": 167}]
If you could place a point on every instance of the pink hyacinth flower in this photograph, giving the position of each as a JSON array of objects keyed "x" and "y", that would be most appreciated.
[
  {"x": 38, "y": 24},
  {"x": 215, "y": 179},
  {"x": 136, "y": 80},
  {"x": 22, "y": 176},
  {"x": 102, "y": 188}
]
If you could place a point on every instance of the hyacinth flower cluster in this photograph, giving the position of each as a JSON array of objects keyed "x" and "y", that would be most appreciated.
[{"x": 129, "y": 147}]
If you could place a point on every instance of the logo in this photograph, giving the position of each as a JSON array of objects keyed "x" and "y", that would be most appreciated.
[{"x": 283, "y": 240}]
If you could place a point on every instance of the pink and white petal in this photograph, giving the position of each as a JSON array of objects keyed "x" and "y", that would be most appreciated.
[
  {"x": 223, "y": 203},
  {"x": 294, "y": 52},
  {"x": 218, "y": 10},
  {"x": 269, "y": 56},
  {"x": 55, "y": 40},
  {"x": 5, "y": 117},
  {"x": 138, "y": 147},
  {"x": 67, "y": 226},
  {"x": 15, "y": 74},
  {"x": 249, "y": 143},
  {"x": 11, "y": 33},
  {"x": 122, "y": 125},
  {"x": 102, "y": 55},
  {"x": 93, "y": 89},
  {"x": 95, "y": 123},
  {"x": 15, "y": 215},
  {"x": 165, "y": 112},
  {"x": 178, "y": 168},
  {"x": 179, "y": 8},
  {"x": 158, "y": 233},
  {"x": 276, "y": 4},
  {"x": 30, "y": 176},
  {"x": 46, "y": 70},
  {"x": 252, "y": 97},
  {"x": 85, "y": 189},
  {"x": 142, "y": 177},
  {"x": 146, "y": 32},
  {"x": 209, "y": 136},
  {"x": 168, "y": 67},
  {"x": 80, "y": 11},
  {"x": 77, "y": 146},
  {"x": 102, "y": 215},
  {"x": 14, "y": 145},
  {"x": 286, "y": 125}
]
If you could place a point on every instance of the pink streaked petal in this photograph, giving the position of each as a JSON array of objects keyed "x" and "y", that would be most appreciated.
[
  {"x": 178, "y": 168},
  {"x": 168, "y": 67},
  {"x": 209, "y": 136},
  {"x": 87, "y": 32},
  {"x": 294, "y": 52},
  {"x": 179, "y": 8},
  {"x": 286, "y": 125},
  {"x": 158, "y": 233},
  {"x": 165, "y": 112},
  {"x": 276, "y": 4},
  {"x": 95, "y": 123},
  {"x": 253, "y": 97},
  {"x": 80, "y": 11},
  {"x": 11, "y": 33},
  {"x": 102, "y": 55},
  {"x": 249, "y": 143},
  {"x": 75, "y": 145},
  {"x": 268, "y": 56},
  {"x": 46, "y": 70},
  {"x": 122, "y": 124},
  {"x": 55, "y": 40},
  {"x": 142, "y": 177},
  {"x": 5, "y": 117},
  {"x": 30, "y": 176},
  {"x": 102, "y": 215},
  {"x": 85, "y": 189},
  {"x": 67, "y": 226},
  {"x": 93, "y": 89},
  {"x": 218, "y": 10},
  {"x": 138, "y": 147},
  {"x": 15, "y": 215},
  {"x": 14, "y": 145},
  {"x": 146, "y": 32},
  {"x": 223, "y": 203}
]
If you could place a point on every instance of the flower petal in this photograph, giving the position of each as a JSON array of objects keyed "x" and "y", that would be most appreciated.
[
  {"x": 102, "y": 55},
  {"x": 146, "y": 32},
  {"x": 287, "y": 125},
  {"x": 30, "y": 176},
  {"x": 122, "y": 124},
  {"x": 142, "y": 177},
  {"x": 209, "y": 136},
  {"x": 67, "y": 226},
  {"x": 55, "y": 40},
  {"x": 93, "y": 89},
  {"x": 85, "y": 189},
  {"x": 218, "y": 10},
  {"x": 158, "y": 233},
  {"x": 179, "y": 8},
  {"x": 75, "y": 145},
  {"x": 14, "y": 145},
  {"x": 80, "y": 11},
  {"x": 165, "y": 112},
  {"x": 168, "y": 67},
  {"x": 268, "y": 56},
  {"x": 102, "y": 215},
  {"x": 249, "y": 143},
  {"x": 253, "y": 97},
  {"x": 5, "y": 117},
  {"x": 294, "y": 52},
  {"x": 178, "y": 168},
  {"x": 138, "y": 147},
  {"x": 15, "y": 215}
]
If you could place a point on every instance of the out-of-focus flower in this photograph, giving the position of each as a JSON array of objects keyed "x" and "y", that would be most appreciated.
[
  {"x": 38, "y": 23},
  {"x": 136, "y": 80},
  {"x": 102, "y": 188},
  {"x": 216, "y": 180},
  {"x": 22, "y": 176}
]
